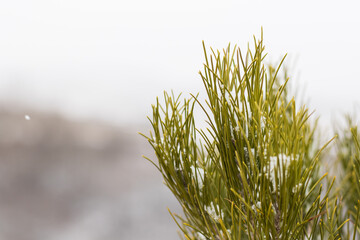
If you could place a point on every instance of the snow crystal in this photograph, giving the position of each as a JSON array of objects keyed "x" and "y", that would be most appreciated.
[
  {"x": 200, "y": 236},
  {"x": 296, "y": 188},
  {"x": 252, "y": 150},
  {"x": 256, "y": 206},
  {"x": 262, "y": 122},
  {"x": 211, "y": 211},
  {"x": 284, "y": 161}
]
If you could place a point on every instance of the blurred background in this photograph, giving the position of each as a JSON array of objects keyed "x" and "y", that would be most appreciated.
[{"x": 77, "y": 79}]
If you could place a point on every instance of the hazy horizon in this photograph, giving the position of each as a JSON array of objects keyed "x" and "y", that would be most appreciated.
[{"x": 109, "y": 61}]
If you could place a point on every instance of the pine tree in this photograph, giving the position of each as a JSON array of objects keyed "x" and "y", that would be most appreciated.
[{"x": 253, "y": 173}]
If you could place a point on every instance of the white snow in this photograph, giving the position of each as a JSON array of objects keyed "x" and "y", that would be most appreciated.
[{"x": 211, "y": 211}]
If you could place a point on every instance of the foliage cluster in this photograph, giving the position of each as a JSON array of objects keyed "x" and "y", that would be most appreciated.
[{"x": 254, "y": 172}]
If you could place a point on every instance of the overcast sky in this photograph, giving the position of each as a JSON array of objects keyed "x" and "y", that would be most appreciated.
[{"x": 110, "y": 59}]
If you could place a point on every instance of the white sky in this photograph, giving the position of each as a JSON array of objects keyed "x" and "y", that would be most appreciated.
[{"x": 110, "y": 59}]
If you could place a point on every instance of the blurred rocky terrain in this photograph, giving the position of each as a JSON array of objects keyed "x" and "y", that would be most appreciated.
[{"x": 61, "y": 179}]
